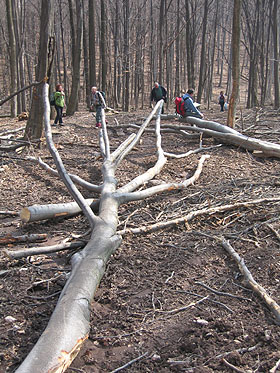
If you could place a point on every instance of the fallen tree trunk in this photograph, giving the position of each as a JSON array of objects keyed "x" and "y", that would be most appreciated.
[
  {"x": 258, "y": 289},
  {"x": 9, "y": 239},
  {"x": 43, "y": 212},
  {"x": 23, "y": 253},
  {"x": 230, "y": 136},
  {"x": 69, "y": 323},
  {"x": 68, "y": 327}
]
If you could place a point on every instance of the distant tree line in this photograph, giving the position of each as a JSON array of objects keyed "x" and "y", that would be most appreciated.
[{"x": 123, "y": 46}]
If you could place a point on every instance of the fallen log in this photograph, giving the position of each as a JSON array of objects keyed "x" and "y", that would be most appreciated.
[
  {"x": 51, "y": 211},
  {"x": 9, "y": 213},
  {"x": 230, "y": 136},
  {"x": 9, "y": 239},
  {"x": 23, "y": 253},
  {"x": 258, "y": 289}
]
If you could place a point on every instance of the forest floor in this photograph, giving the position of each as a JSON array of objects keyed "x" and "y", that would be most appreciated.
[{"x": 156, "y": 302}]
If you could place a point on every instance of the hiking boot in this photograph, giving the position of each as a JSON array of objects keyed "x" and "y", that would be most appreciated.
[{"x": 61, "y": 124}]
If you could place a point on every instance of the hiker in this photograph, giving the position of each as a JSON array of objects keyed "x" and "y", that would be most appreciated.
[
  {"x": 96, "y": 104},
  {"x": 222, "y": 100},
  {"x": 59, "y": 104},
  {"x": 158, "y": 93},
  {"x": 190, "y": 109}
]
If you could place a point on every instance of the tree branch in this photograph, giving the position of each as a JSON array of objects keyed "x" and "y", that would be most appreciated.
[
  {"x": 258, "y": 289},
  {"x": 136, "y": 196},
  {"x": 60, "y": 167}
]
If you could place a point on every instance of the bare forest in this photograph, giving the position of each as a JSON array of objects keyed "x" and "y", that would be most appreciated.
[{"x": 150, "y": 243}]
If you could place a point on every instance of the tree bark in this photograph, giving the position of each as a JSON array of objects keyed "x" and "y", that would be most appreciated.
[
  {"x": 51, "y": 211},
  {"x": 34, "y": 127},
  {"x": 91, "y": 40},
  {"x": 276, "y": 54},
  {"x": 202, "y": 54},
  {"x": 12, "y": 55},
  {"x": 126, "y": 63},
  {"x": 235, "y": 64},
  {"x": 77, "y": 33}
]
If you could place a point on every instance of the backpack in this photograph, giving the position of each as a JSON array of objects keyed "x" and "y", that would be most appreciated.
[
  {"x": 52, "y": 99},
  {"x": 179, "y": 102}
]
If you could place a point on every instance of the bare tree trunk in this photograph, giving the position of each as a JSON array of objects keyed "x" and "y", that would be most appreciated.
[
  {"x": 177, "y": 46},
  {"x": 12, "y": 55},
  {"x": 19, "y": 26},
  {"x": 235, "y": 64},
  {"x": 160, "y": 42},
  {"x": 91, "y": 40},
  {"x": 126, "y": 56},
  {"x": 86, "y": 60},
  {"x": 65, "y": 80},
  {"x": 202, "y": 54},
  {"x": 77, "y": 34},
  {"x": 103, "y": 38},
  {"x": 117, "y": 60},
  {"x": 34, "y": 127},
  {"x": 276, "y": 54}
]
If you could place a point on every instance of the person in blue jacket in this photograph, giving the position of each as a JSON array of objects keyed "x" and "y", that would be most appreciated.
[{"x": 190, "y": 109}]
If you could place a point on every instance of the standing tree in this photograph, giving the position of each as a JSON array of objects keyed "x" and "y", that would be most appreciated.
[
  {"x": 12, "y": 55},
  {"x": 103, "y": 40},
  {"x": 235, "y": 64},
  {"x": 126, "y": 56},
  {"x": 91, "y": 41},
  {"x": 34, "y": 127},
  {"x": 203, "y": 53},
  {"x": 76, "y": 34},
  {"x": 276, "y": 54}
]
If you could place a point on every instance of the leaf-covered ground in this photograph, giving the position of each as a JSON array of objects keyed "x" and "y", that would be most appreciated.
[{"x": 171, "y": 300}]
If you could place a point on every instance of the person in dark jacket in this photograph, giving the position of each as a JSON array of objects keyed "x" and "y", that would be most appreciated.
[
  {"x": 158, "y": 93},
  {"x": 222, "y": 100},
  {"x": 190, "y": 109}
]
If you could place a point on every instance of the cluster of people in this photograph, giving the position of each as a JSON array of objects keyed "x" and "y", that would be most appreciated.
[
  {"x": 97, "y": 101},
  {"x": 159, "y": 93}
]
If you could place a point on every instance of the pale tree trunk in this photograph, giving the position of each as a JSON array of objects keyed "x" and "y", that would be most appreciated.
[
  {"x": 235, "y": 64},
  {"x": 276, "y": 54},
  {"x": 91, "y": 41},
  {"x": 189, "y": 47},
  {"x": 65, "y": 80},
  {"x": 126, "y": 65},
  {"x": 77, "y": 34},
  {"x": 253, "y": 30},
  {"x": 19, "y": 26},
  {"x": 117, "y": 60},
  {"x": 203, "y": 53},
  {"x": 86, "y": 60},
  {"x": 160, "y": 40},
  {"x": 212, "y": 59},
  {"x": 12, "y": 55},
  {"x": 34, "y": 127},
  {"x": 103, "y": 40},
  {"x": 152, "y": 46},
  {"x": 177, "y": 46}
]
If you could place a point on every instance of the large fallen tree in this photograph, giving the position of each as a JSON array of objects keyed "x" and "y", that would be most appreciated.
[
  {"x": 68, "y": 327},
  {"x": 69, "y": 324}
]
